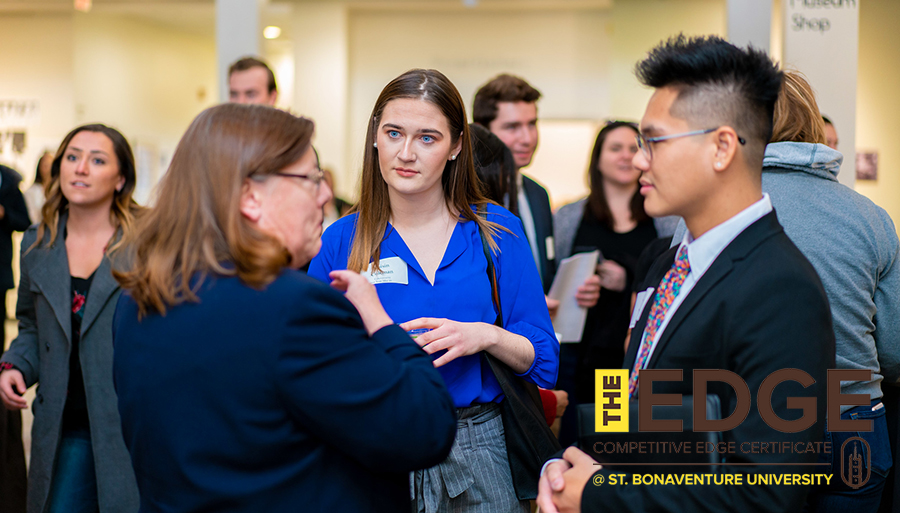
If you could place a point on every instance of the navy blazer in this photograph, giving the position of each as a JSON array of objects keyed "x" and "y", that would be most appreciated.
[
  {"x": 539, "y": 203},
  {"x": 760, "y": 307},
  {"x": 275, "y": 400}
]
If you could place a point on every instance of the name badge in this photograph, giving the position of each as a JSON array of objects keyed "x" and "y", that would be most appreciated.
[
  {"x": 639, "y": 303},
  {"x": 393, "y": 270}
]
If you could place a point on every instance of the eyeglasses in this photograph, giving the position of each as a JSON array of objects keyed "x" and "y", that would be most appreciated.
[
  {"x": 315, "y": 177},
  {"x": 644, "y": 142}
]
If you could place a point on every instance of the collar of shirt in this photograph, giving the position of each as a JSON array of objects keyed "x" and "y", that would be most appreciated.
[{"x": 702, "y": 252}]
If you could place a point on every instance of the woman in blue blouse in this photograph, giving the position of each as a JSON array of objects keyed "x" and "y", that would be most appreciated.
[{"x": 417, "y": 227}]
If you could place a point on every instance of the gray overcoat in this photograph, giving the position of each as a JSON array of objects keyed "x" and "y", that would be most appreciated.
[{"x": 41, "y": 351}]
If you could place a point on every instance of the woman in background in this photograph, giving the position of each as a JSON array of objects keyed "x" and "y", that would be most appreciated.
[
  {"x": 417, "y": 233},
  {"x": 611, "y": 219},
  {"x": 67, "y": 297},
  {"x": 34, "y": 195}
]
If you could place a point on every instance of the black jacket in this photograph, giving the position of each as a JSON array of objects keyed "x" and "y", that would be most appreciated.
[
  {"x": 760, "y": 307},
  {"x": 15, "y": 219},
  {"x": 539, "y": 202}
]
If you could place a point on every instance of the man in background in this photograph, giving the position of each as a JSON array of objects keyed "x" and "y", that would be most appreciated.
[
  {"x": 13, "y": 218},
  {"x": 251, "y": 81},
  {"x": 507, "y": 106},
  {"x": 831, "y": 137}
]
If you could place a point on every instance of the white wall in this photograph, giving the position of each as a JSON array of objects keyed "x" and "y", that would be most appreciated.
[
  {"x": 878, "y": 105},
  {"x": 564, "y": 54},
  {"x": 147, "y": 80},
  {"x": 320, "y": 52},
  {"x": 37, "y": 64},
  {"x": 639, "y": 25},
  {"x": 581, "y": 60}
]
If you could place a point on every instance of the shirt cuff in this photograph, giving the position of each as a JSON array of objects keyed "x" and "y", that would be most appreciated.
[{"x": 548, "y": 462}]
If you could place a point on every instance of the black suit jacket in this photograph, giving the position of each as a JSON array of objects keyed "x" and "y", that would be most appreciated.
[
  {"x": 539, "y": 202},
  {"x": 760, "y": 307},
  {"x": 14, "y": 219}
]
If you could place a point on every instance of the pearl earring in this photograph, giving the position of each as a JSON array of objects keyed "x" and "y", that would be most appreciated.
[
  {"x": 452, "y": 157},
  {"x": 375, "y": 145}
]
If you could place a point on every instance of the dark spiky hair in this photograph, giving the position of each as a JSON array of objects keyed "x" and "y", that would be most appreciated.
[{"x": 719, "y": 84}]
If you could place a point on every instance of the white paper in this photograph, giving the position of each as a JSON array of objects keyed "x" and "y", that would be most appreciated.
[
  {"x": 571, "y": 274},
  {"x": 639, "y": 303},
  {"x": 393, "y": 270}
]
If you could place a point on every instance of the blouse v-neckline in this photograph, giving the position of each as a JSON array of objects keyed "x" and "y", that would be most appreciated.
[{"x": 455, "y": 247}]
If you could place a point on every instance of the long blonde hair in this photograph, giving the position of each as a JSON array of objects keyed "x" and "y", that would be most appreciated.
[
  {"x": 123, "y": 211},
  {"x": 797, "y": 117},
  {"x": 459, "y": 181},
  {"x": 196, "y": 227}
]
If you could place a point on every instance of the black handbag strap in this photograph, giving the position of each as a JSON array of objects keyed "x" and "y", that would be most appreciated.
[
  {"x": 529, "y": 441},
  {"x": 492, "y": 277},
  {"x": 502, "y": 372}
]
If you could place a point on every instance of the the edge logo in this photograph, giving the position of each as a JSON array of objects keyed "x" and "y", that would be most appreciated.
[{"x": 612, "y": 407}]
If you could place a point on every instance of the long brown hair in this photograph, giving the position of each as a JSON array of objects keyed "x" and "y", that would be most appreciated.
[
  {"x": 459, "y": 181},
  {"x": 196, "y": 227},
  {"x": 797, "y": 117},
  {"x": 124, "y": 209},
  {"x": 596, "y": 203}
]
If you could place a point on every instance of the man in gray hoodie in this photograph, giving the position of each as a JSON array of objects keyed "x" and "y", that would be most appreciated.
[{"x": 852, "y": 244}]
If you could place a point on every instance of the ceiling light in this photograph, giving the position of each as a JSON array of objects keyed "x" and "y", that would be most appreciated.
[{"x": 271, "y": 32}]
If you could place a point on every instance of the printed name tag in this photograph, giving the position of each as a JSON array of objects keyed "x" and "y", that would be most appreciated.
[
  {"x": 639, "y": 303},
  {"x": 393, "y": 270}
]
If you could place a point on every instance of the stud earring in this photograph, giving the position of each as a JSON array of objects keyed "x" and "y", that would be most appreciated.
[
  {"x": 452, "y": 157},
  {"x": 375, "y": 145}
]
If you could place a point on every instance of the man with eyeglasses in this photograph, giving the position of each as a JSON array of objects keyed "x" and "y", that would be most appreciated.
[{"x": 736, "y": 294}]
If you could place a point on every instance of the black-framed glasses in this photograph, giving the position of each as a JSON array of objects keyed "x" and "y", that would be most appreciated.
[
  {"x": 644, "y": 142},
  {"x": 315, "y": 177}
]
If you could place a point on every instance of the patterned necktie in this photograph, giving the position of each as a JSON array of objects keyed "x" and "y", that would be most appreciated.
[{"x": 668, "y": 289}]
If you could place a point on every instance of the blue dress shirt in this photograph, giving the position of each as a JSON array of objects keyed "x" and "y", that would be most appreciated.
[{"x": 462, "y": 292}]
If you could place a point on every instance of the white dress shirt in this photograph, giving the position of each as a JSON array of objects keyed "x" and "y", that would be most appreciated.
[{"x": 528, "y": 223}]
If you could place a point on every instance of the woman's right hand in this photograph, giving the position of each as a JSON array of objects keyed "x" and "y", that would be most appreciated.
[
  {"x": 10, "y": 378},
  {"x": 363, "y": 296}
]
